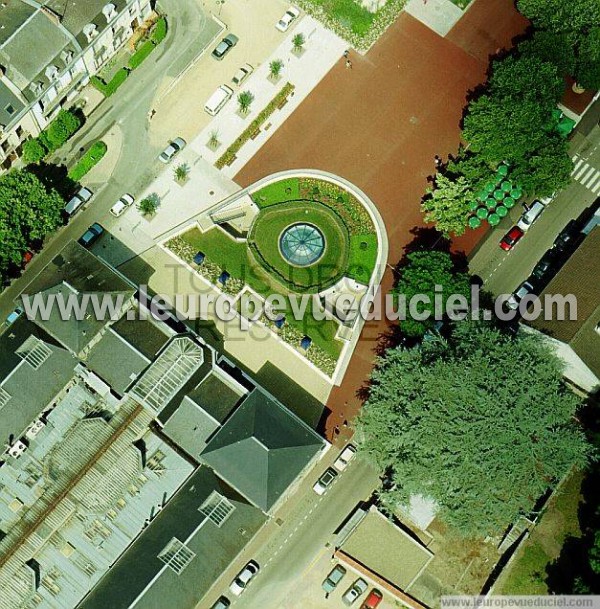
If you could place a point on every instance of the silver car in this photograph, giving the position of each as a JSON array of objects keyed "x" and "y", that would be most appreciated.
[
  {"x": 171, "y": 150},
  {"x": 225, "y": 46},
  {"x": 358, "y": 588},
  {"x": 523, "y": 290}
]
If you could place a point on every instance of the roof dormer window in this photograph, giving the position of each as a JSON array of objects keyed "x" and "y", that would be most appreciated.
[
  {"x": 51, "y": 72},
  {"x": 109, "y": 11},
  {"x": 90, "y": 31}
]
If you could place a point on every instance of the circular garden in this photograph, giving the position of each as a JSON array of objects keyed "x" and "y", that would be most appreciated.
[{"x": 304, "y": 243}]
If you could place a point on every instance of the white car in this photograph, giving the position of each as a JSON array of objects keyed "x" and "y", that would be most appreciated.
[
  {"x": 121, "y": 205},
  {"x": 523, "y": 290},
  {"x": 242, "y": 74},
  {"x": 244, "y": 577},
  {"x": 325, "y": 481},
  {"x": 530, "y": 216},
  {"x": 345, "y": 457},
  {"x": 290, "y": 16},
  {"x": 172, "y": 149}
]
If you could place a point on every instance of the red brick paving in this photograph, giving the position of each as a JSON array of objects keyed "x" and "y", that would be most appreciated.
[{"x": 379, "y": 125}]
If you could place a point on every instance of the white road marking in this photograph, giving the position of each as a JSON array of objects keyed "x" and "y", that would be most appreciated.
[{"x": 586, "y": 175}]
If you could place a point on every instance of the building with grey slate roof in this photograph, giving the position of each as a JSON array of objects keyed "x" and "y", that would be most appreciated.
[{"x": 48, "y": 51}]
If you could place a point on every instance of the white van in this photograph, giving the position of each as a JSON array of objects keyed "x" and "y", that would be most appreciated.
[
  {"x": 218, "y": 99},
  {"x": 531, "y": 215}
]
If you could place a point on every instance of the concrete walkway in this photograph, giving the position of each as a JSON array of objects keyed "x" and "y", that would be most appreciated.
[
  {"x": 322, "y": 51},
  {"x": 438, "y": 15}
]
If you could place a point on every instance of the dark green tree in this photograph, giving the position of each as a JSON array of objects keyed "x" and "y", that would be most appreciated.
[
  {"x": 423, "y": 272},
  {"x": 482, "y": 424},
  {"x": 33, "y": 151},
  {"x": 557, "y": 48},
  {"x": 61, "y": 129},
  {"x": 28, "y": 212},
  {"x": 148, "y": 205}
]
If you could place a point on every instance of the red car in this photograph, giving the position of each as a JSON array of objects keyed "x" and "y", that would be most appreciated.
[
  {"x": 511, "y": 238},
  {"x": 372, "y": 600}
]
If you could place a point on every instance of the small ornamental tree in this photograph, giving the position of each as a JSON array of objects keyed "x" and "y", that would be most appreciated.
[
  {"x": 447, "y": 205},
  {"x": 181, "y": 172},
  {"x": 148, "y": 205},
  {"x": 275, "y": 68},
  {"x": 245, "y": 99},
  {"x": 298, "y": 42}
]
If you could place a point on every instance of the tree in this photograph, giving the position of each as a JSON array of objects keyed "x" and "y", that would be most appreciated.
[
  {"x": 298, "y": 42},
  {"x": 557, "y": 48},
  {"x": 447, "y": 205},
  {"x": 245, "y": 99},
  {"x": 148, "y": 205},
  {"x": 423, "y": 272},
  {"x": 28, "y": 212},
  {"x": 213, "y": 140},
  {"x": 33, "y": 151},
  {"x": 275, "y": 68},
  {"x": 482, "y": 424},
  {"x": 526, "y": 77},
  {"x": 181, "y": 172},
  {"x": 547, "y": 169},
  {"x": 61, "y": 129},
  {"x": 472, "y": 166}
]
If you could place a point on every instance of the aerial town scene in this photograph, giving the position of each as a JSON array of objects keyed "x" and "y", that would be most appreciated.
[{"x": 300, "y": 304}]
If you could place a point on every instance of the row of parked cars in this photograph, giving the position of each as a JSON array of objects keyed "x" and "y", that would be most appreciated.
[{"x": 354, "y": 592}]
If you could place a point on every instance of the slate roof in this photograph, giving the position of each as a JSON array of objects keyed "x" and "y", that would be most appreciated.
[
  {"x": 140, "y": 576},
  {"x": 10, "y": 105},
  {"x": 75, "y": 14},
  {"x": 115, "y": 361},
  {"x": 261, "y": 449},
  {"x": 76, "y": 272},
  {"x": 12, "y": 16},
  {"x": 579, "y": 276},
  {"x": 31, "y": 390},
  {"x": 145, "y": 335}
]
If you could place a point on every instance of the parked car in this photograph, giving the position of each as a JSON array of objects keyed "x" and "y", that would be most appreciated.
[
  {"x": 221, "y": 603},
  {"x": 568, "y": 235},
  {"x": 243, "y": 73},
  {"x": 511, "y": 238},
  {"x": 14, "y": 316},
  {"x": 91, "y": 235},
  {"x": 171, "y": 150},
  {"x": 345, "y": 457},
  {"x": 325, "y": 481},
  {"x": 288, "y": 18},
  {"x": 531, "y": 215},
  {"x": 336, "y": 575},
  {"x": 523, "y": 290},
  {"x": 358, "y": 588},
  {"x": 544, "y": 267},
  {"x": 121, "y": 205},
  {"x": 80, "y": 198},
  {"x": 372, "y": 600},
  {"x": 225, "y": 46},
  {"x": 244, "y": 577}
]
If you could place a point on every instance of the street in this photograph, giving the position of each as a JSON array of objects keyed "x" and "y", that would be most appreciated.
[{"x": 295, "y": 555}]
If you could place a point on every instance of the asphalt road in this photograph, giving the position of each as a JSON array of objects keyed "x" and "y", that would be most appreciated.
[
  {"x": 190, "y": 31},
  {"x": 288, "y": 554},
  {"x": 502, "y": 272}
]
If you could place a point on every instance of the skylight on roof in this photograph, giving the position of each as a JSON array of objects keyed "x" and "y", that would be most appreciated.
[
  {"x": 217, "y": 508},
  {"x": 176, "y": 555},
  {"x": 34, "y": 352},
  {"x": 4, "y": 397}
]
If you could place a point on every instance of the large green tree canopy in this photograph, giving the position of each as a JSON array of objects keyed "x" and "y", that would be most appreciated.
[
  {"x": 482, "y": 424},
  {"x": 28, "y": 212}
]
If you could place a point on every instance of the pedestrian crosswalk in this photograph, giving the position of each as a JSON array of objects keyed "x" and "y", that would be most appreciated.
[{"x": 586, "y": 175}]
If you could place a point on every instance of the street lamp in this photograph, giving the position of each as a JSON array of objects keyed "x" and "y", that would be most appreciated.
[{"x": 220, "y": 3}]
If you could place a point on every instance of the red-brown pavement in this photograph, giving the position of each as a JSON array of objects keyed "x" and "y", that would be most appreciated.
[{"x": 379, "y": 125}]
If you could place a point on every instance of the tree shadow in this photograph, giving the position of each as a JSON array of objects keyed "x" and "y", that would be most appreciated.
[{"x": 54, "y": 177}]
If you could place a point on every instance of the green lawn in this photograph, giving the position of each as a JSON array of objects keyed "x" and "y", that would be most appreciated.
[
  {"x": 273, "y": 221},
  {"x": 236, "y": 259},
  {"x": 278, "y": 192},
  {"x": 362, "y": 257},
  {"x": 348, "y": 13},
  {"x": 527, "y": 574}
]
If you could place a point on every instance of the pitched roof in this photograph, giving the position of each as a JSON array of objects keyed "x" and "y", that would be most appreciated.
[
  {"x": 577, "y": 277},
  {"x": 261, "y": 449}
]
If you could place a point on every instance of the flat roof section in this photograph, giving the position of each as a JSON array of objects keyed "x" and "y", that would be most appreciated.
[{"x": 387, "y": 550}]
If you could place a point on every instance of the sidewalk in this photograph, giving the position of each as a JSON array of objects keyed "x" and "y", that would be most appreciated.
[
  {"x": 322, "y": 51},
  {"x": 439, "y": 15}
]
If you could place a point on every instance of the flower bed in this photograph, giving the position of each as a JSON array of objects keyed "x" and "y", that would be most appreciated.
[
  {"x": 229, "y": 155},
  {"x": 383, "y": 18}
]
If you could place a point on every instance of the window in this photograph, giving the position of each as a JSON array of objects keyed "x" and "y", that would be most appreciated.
[
  {"x": 217, "y": 508},
  {"x": 34, "y": 352},
  {"x": 20, "y": 132},
  {"x": 10, "y": 109},
  {"x": 176, "y": 555},
  {"x": 4, "y": 397}
]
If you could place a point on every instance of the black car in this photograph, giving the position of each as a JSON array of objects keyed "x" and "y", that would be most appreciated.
[
  {"x": 544, "y": 267},
  {"x": 568, "y": 236},
  {"x": 91, "y": 235},
  {"x": 225, "y": 46}
]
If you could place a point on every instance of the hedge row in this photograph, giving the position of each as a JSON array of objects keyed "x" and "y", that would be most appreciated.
[
  {"x": 53, "y": 136},
  {"x": 96, "y": 151},
  {"x": 229, "y": 155},
  {"x": 157, "y": 35}
]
